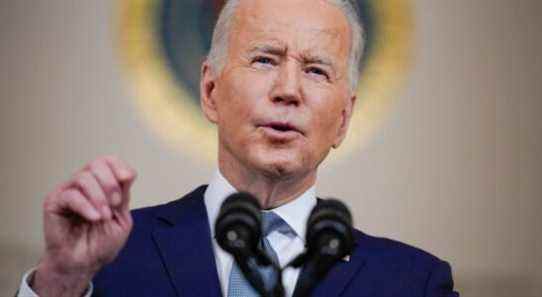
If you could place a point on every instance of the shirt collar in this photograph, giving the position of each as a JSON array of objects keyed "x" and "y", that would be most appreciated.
[{"x": 295, "y": 212}]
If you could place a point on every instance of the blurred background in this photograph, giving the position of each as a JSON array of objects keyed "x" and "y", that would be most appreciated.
[{"x": 455, "y": 167}]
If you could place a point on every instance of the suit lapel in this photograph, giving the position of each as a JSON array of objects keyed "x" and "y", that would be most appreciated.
[
  {"x": 185, "y": 244},
  {"x": 340, "y": 275},
  {"x": 184, "y": 241}
]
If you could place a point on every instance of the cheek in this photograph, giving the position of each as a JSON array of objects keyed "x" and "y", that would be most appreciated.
[
  {"x": 326, "y": 106},
  {"x": 250, "y": 91},
  {"x": 326, "y": 117},
  {"x": 241, "y": 97}
]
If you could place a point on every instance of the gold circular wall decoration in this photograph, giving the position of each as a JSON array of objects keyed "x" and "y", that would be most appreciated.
[{"x": 163, "y": 42}]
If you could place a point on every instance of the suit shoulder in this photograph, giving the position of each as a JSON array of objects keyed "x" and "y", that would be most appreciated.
[
  {"x": 143, "y": 217},
  {"x": 398, "y": 269},
  {"x": 396, "y": 250},
  {"x": 139, "y": 254}
]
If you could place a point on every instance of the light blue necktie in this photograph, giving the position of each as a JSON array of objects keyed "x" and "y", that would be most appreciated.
[{"x": 238, "y": 285}]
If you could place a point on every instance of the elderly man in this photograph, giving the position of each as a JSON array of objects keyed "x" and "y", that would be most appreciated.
[{"x": 280, "y": 84}]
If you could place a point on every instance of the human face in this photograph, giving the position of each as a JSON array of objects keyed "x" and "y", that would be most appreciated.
[{"x": 282, "y": 100}]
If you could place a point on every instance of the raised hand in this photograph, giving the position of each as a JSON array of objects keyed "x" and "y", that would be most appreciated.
[{"x": 86, "y": 222}]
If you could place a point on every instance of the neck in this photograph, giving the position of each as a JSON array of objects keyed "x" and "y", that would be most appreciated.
[{"x": 270, "y": 189}]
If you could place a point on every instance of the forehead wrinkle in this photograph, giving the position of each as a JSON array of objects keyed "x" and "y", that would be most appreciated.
[
  {"x": 326, "y": 43},
  {"x": 304, "y": 57},
  {"x": 278, "y": 47},
  {"x": 256, "y": 24},
  {"x": 322, "y": 50},
  {"x": 271, "y": 46}
]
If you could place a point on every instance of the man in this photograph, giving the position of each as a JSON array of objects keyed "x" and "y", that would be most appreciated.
[{"x": 280, "y": 85}]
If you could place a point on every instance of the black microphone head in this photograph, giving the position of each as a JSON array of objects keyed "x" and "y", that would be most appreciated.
[
  {"x": 329, "y": 230},
  {"x": 238, "y": 225}
]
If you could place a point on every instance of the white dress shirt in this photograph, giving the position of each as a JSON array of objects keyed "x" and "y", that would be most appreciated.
[{"x": 295, "y": 213}]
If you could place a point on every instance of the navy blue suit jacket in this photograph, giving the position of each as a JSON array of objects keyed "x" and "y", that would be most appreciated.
[{"x": 169, "y": 253}]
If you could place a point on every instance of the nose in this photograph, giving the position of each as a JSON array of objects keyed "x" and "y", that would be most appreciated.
[{"x": 287, "y": 88}]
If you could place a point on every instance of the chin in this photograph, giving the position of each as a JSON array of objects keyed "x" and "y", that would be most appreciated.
[{"x": 279, "y": 164}]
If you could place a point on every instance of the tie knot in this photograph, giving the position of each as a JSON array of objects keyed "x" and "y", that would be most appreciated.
[{"x": 273, "y": 222}]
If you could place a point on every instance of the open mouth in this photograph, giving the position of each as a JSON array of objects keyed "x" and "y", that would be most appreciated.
[{"x": 281, "y": 129}]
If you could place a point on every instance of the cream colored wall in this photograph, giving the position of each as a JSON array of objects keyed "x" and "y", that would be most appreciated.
[{"x": 456, "y": 169}]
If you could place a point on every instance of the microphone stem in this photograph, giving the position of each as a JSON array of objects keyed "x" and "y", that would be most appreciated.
[
  {"x": 313, "y": 272},
  {"x": 250, "y": 267}
]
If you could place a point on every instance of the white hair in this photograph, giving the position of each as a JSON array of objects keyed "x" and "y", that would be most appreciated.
[{"x": 219, "y": 44}]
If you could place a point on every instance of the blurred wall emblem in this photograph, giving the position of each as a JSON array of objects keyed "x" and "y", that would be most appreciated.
[{"x": 163, "y": 43}]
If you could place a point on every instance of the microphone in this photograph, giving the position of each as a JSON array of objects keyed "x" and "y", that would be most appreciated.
[
  {"x": 238, "y": 225},
  {"x": 238, "y": 232},
  {"x": 329, "y": 238},
  {"x": 329, "y": 230}
]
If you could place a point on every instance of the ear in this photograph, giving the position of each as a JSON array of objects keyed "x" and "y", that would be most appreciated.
[
  {"x": 346, "y": 115},
  {"x": 207, "y": 93}
]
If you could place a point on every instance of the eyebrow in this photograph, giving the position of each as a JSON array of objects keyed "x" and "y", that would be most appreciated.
[
  {"x": 280, "y": 50},
  {"x": 316, "y": 59},
  {"x": 269, "y": 49}
]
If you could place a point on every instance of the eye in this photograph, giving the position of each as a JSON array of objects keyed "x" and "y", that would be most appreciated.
[
  {"x": 263, "y": 60},
  {"x": 317, "y": 71}
]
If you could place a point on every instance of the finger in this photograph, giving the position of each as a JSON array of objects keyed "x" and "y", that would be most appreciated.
[
  {"x": 74, "y": 201},
  {"x": 51, "y": 202},
  {"x": 89, "y": 186},
  {"x": 126, "y": 176},
  {"x": 124, "y": 173},
  {"x": 107, "y": 181}
]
